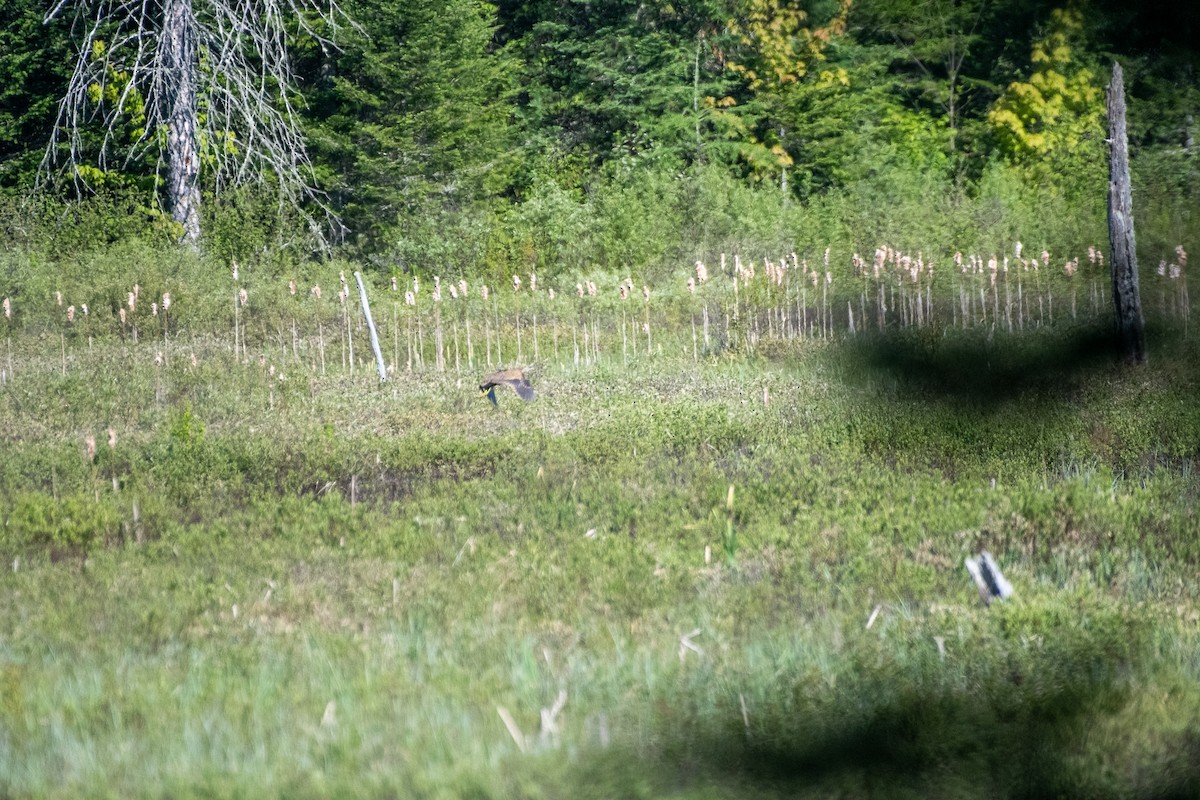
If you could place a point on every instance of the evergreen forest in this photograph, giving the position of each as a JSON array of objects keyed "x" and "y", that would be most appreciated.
[{"x": 472, "y": 138}]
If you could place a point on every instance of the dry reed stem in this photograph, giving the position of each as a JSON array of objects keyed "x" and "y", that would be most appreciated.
[
  {"x": 420, "y": 343},
  {"x": 511, "y": 725},
  {"x": 321, "y": 345},
  {"x": 470, "y": 348},
  {"x": 457, "y": 362},
  {"x": 624, "y": 339},
  {"x": 499, "y": 328},
  {"x": 350, "y": 344}
]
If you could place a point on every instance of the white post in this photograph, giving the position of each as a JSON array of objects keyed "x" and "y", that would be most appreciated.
[{"x": 362, "y": 293}]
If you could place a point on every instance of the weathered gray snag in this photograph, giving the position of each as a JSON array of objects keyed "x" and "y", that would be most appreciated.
[
  {"x": 182, "y": 151},
  {"x": 1131, "y": 332},
  {"x": 139, "y": 83}
]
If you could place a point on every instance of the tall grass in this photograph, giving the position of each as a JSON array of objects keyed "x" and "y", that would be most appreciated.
[
  {"x": 720, "y": 555},
  {"x": 299, "y": 582}
]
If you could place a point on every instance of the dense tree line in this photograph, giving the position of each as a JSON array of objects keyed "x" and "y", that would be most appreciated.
[{"x": 429, "y": 120}]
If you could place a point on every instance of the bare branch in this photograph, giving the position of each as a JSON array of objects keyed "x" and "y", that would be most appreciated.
[{"x": 247, "y": 122}]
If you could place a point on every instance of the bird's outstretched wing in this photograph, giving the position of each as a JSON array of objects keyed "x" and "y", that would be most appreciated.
[{"x": 523, "y": 388}]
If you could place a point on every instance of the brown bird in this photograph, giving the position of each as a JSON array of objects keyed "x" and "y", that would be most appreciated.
[{"x": 513, "y": 378}]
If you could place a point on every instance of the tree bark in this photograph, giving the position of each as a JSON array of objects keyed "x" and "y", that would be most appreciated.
[
  {"x": 179, "y": 81},
  {"x": 1131, "y": 333}
]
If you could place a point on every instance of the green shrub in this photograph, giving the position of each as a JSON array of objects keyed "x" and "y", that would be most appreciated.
[{"x": 72, "y": 524}]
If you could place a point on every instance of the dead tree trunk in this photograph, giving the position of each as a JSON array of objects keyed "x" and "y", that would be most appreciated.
[
  {"x": 183, "y": 145},
  {"x": 143, "y": 57},
  {"x": 1131, "y": 333}
]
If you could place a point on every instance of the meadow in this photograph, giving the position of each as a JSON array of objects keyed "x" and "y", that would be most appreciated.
[{"x": 721, "y": 555}]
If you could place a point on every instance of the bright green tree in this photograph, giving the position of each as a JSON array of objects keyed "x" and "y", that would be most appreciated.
[
  {"x": 937, "y": 44},
  {"x": 776, "y": 47},
  {"x": 1051, "y": 122},
  {"x": 851, "y": 123}
]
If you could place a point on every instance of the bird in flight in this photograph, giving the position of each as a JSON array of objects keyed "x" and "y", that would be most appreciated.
[{"x": 513, "y": 378}]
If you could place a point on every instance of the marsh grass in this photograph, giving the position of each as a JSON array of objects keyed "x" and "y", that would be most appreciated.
[{"x": 286, "y": 580}]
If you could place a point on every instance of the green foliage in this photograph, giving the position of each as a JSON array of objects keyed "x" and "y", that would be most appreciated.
[
  {"x": 116, "y": 89},
  {"x": 942, "y": 58},
  {"x": 627, "y": 79},
  {"x": 241, "y": 222},
  {"x": 65, "y": 526},
  {"x": 412, "y": 115},
  {"x": 551, "y": 229},
  {"x": 850, "y": 124},
  {"x": 54, "y": 226},
  {"x": 638, "y": 220},
  {"x": 1051, "y": 124},
  {"x": 34, "y": 65},
  {"x": 780, "y": 45},
  {"x": 435, "y": 123},
  {"x": 773, "y": 48},
  {"x": 186, "y": 431}
]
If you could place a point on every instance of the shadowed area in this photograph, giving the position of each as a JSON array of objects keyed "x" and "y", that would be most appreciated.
[
  {"x": 931, "y": 744},
  {"x": 1024, "y": 721},
  {"x": 988, "y": 369}
]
